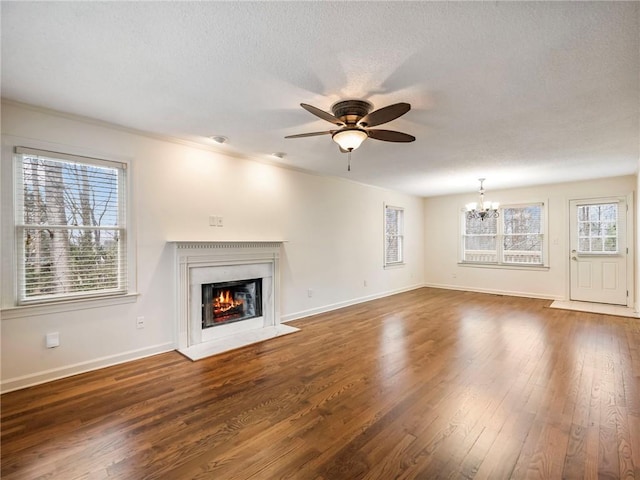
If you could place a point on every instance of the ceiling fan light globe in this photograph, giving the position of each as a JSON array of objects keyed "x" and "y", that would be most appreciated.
[{"x": 350, "y": 139}]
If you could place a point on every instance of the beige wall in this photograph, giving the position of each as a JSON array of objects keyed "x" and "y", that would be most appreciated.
[{"x": 333, "y": 231}]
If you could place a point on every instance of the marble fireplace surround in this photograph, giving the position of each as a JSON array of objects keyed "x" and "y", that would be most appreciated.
[{"x": 199, "y": 262}]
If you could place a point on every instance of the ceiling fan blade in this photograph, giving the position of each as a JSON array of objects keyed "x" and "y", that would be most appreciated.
[
  {"x": 390, "y": 136},
  {"x": 385, "y": 114},
  {"x": 322, "y": 114},
  {"x": 312, "y": 134}
]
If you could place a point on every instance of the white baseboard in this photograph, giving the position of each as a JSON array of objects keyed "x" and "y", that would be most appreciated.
[
  {"x": 335, "y": 306},
  {"x": 509, "y": 293},
  {"x": 56, "y": 373}
]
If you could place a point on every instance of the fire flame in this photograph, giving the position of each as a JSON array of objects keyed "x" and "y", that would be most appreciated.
[{"x": 224, "y": 302}]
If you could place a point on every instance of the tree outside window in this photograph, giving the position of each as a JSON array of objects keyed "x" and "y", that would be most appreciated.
[{"x": 70, "y": 227}]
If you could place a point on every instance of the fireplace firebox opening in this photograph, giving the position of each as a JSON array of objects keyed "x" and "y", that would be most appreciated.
[{"x": 228, "y": 302}]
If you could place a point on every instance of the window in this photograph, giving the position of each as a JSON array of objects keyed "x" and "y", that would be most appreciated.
[
  {"x": 480, "y": 240},
  {"x": 598, "y": 228},
  {"x": 516, "y": 237},
  {"x": 394, "y": 235},
  {"x": 70, "y": 226}
]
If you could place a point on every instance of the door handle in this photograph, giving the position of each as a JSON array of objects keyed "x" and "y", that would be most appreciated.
[{"x": 574, "y": 258}]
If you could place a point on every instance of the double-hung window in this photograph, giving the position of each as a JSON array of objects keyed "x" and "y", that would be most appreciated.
[
  {"x": 394, "y": 235},
  {"x": 515, "y": 237},
  {"x": 70, "y": 227}
]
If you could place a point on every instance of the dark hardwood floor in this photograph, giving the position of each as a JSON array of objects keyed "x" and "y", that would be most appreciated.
[{"x": 423, "y": 385}]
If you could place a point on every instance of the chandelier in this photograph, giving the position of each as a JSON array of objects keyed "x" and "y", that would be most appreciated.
[{"x": 484, "y": 209}]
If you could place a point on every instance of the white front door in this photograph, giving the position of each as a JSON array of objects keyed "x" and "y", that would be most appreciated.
[{"x": 599, "y": 250}]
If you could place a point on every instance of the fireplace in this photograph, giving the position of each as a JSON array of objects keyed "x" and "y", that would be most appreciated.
[
  {"x": 227, "y": 302},
  {"x": 227, "y": 295}
]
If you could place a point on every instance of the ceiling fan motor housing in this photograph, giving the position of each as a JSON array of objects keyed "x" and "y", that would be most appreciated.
[{"x": 350, "y": 111}]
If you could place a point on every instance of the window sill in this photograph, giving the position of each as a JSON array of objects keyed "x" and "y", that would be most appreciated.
[
  {"x": 504, "y": 266},
  {"x": 600, "y": 254},
  {"x": 394, "y": 265},
  {"x": 65, "y": 306}
]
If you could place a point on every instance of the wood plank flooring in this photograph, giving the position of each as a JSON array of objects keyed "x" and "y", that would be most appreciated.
[{"x": 423, "y": 385}]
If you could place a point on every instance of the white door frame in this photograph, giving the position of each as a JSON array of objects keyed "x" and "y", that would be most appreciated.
[{"x": 630, "y": 235}]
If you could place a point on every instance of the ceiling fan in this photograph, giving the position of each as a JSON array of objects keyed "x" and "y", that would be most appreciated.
[{"x": 354, "y": 117}]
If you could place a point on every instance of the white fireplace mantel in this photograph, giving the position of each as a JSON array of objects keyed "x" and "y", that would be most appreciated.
[{"x": 197, "y": 260}]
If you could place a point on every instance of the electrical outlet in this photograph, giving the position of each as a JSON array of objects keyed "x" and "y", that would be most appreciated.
[
  {"x": 52, "y": 340},
  {"x": 310, "y": 293},
  {"x": 140, "y": 322},
  {"x": 219, "y": 222}
]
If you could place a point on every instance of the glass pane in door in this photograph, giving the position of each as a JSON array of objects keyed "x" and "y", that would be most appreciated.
[{"x": 598, "y": 228}]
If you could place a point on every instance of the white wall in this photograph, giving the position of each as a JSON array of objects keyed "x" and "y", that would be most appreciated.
[
  {"x": 442, "y": 233},
  {"x": 333, "y": 229}
]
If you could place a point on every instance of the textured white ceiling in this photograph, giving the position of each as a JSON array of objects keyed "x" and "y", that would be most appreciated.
[{"x": 521, "y": 93}]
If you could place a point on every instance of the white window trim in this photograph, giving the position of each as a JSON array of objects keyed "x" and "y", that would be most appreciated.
[
  {"x": 9, "y": 307},
  {"x": 401, "y": 263},
  {"x": 505, "y": 265},
  {"x": 31, "y": 310}
]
